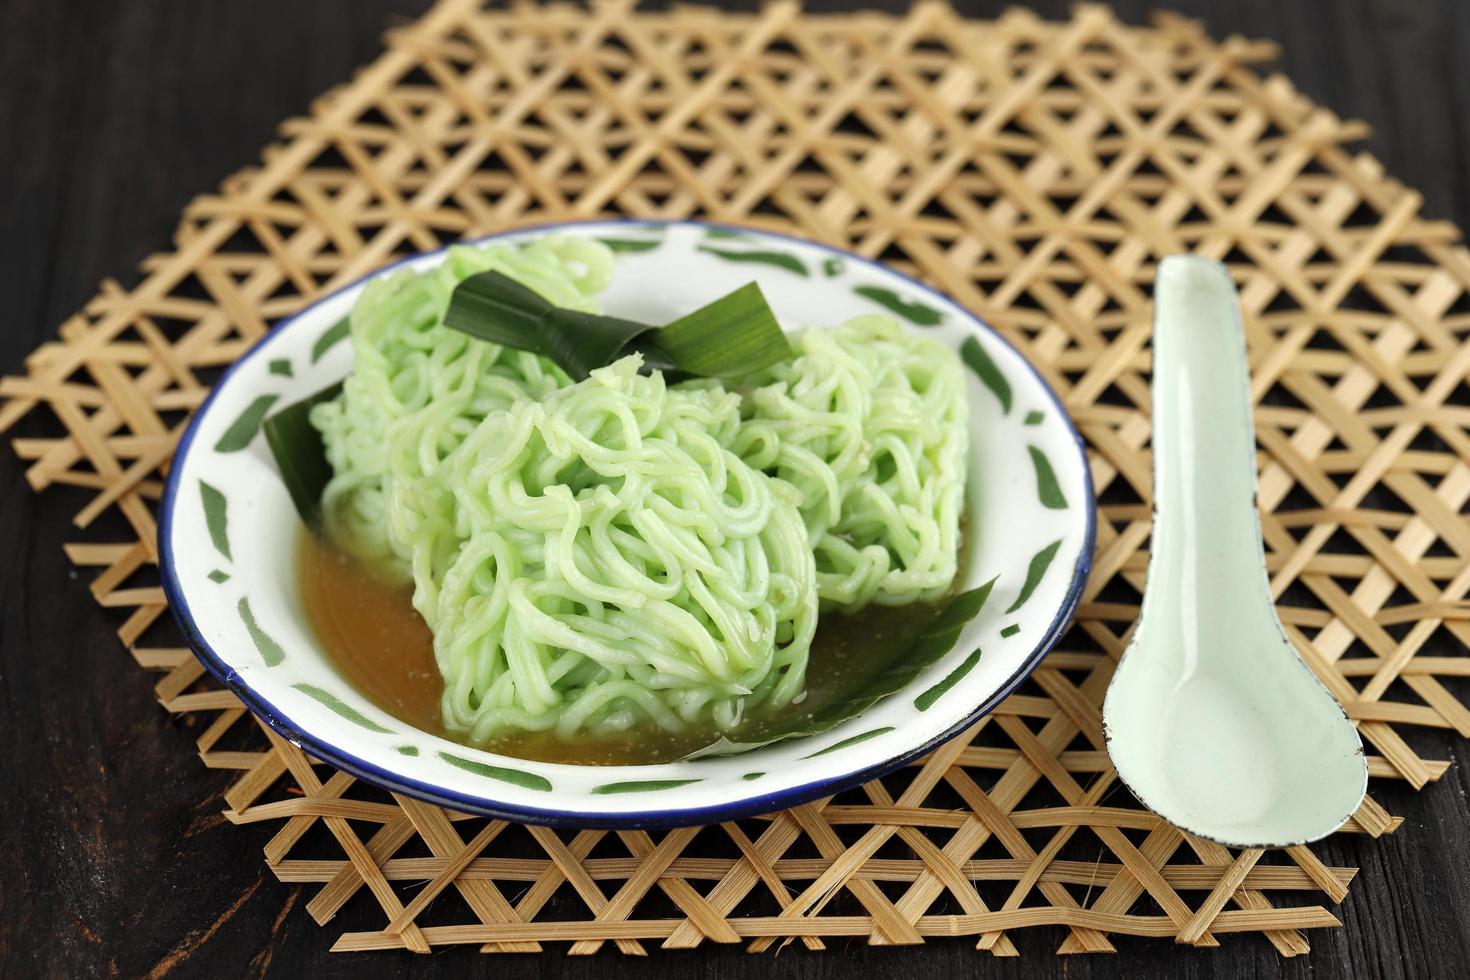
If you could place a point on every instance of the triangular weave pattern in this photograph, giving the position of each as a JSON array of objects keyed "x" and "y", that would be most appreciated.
[{"x": 1033, "y": 170}]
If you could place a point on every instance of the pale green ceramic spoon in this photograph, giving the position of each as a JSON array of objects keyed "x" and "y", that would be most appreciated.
[{"x": 1212, "y": 719}]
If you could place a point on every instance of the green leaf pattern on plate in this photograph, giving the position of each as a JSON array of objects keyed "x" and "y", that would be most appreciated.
[
  {"x": 517, "y": 777},
  {"x": 926, "y": 700},
  {"x": 1047, "y": 488},
  {"x": 246, "y": 425},
  {"x": 973, "y": 353},
  {"x": 1035, "y": 572},
  {"x": 334, "y": 335},
  {"x": 781, "y": 260},
  {"x": 642, "y": 786},
  {"x": 337, "y": 705},
  {"x": 851, "y": 740},
  {"x": 270, "y": 650},
  {"x": 917, "y": 313},
  {"x": 216, "y": 518},
  {"x": 631, "y": 244}
]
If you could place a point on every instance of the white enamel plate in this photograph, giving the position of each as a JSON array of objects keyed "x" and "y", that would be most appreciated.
[{"x": 228, "y": 536}]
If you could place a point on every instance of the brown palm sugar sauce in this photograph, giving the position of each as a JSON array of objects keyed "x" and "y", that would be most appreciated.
[{"x": 380, "y": 644}]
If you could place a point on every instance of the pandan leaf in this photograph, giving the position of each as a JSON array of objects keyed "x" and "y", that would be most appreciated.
[
  {"x": 300, "y": 456},
  {"x": 924, "y": 648},
  {"x": 735, "y": 335}
]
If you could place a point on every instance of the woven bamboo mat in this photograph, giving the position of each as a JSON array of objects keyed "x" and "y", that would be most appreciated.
[{"x": 1033, "y": 170}]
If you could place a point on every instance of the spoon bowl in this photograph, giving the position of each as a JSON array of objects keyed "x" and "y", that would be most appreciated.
[{"x": 1212, "y": 719}]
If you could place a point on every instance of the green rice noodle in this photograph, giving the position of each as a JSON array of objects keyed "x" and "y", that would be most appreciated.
[
  {"x": 597, "y": 556},
  {"x": 617, "y": 564},
  {"x": 417, "y": 387},
  {"x": 869, "y": 423}
]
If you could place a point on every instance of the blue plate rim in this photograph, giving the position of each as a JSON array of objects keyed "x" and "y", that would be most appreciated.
[{"x": 746, "y": 806}]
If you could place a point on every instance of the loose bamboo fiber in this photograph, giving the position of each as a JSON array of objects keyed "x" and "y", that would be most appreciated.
[{"x": 1035, "y": 171}]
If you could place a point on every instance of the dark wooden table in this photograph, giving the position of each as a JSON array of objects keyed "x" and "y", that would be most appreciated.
[{"x": 113, "y": 856}]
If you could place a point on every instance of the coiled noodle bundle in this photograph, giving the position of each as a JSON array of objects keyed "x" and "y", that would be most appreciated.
[
  {"x": 869, "y": 423},
  {"x": 618, "y": 564},
  {"x": 418, "y": 387}
]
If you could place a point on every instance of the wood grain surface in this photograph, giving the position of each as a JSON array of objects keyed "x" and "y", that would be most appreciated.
[{"x": 111, "y": 117}]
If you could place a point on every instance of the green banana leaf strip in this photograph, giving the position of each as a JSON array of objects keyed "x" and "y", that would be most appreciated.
[
  {"x": 927, "y": 645},
  {"x": 300, "y": 456},
  {"x": 497, "y": 309},
  {"x": 735, "y": 335},
  {"x": 582, "y": 342}
]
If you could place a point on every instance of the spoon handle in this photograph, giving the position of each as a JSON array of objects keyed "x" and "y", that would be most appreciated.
[{"x": 1206, "y": 537}]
